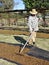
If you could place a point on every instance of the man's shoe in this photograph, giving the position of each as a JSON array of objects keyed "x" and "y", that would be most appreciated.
[{"x": 34, "y": 44}]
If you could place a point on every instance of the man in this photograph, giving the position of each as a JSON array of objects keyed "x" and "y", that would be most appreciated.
[{"x": 33, "y": 25}]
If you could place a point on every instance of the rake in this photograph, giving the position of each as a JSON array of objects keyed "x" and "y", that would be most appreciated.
[{"x": 25, "y": 44}]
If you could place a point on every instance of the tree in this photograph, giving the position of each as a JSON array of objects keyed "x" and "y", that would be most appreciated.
[
  {"x": 38, "y": 4},
  {"x": 6, "y": 4}
]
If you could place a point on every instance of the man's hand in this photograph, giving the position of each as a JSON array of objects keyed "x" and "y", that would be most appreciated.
[{"x": 31, "y": 30}]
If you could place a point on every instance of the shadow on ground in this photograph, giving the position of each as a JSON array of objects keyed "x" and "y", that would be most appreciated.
[
  {"x": 20, "y": 39},
  {"x": 39, "y": 53},
  {"x": 35, "y": 56}
]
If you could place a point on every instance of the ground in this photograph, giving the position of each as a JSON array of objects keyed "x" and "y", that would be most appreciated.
[
  {"x": 9, "y": 50},
  {"x": 11, "y": 53}
]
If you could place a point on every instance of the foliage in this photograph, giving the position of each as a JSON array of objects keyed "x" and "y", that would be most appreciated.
[
  {"x": 41, "y": 5},
  {"x": 6, "y": 4},
  {"x": 36, "y": 3}
]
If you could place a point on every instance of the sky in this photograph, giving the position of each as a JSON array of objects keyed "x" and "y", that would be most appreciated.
[
  {"x": 18, "y": 4},
  {"x": 0, "y": 4}
]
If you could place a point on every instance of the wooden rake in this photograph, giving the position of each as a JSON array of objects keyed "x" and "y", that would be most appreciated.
[{"x": 25, "y": 43}]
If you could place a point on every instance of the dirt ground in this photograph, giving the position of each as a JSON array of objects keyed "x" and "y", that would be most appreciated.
[
  {"x": 11, "y": 53},
  {"x": 17, "y": 32}
]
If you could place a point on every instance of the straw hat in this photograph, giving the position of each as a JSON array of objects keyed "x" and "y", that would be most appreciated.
[{"x": 33, "y": 11}]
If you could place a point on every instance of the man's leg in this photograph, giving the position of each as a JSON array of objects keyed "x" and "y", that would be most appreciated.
[
  {"x": 34, "y": 37},
  {"x": 30, "y": 41}
]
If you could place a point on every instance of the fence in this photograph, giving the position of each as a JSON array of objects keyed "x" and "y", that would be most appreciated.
[
  {"x": 12, "y": 19},
  {"x": 18, "y": 18}
]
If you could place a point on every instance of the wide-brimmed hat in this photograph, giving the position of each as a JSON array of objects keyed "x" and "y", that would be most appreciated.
[{"x": 33, "y": 11}]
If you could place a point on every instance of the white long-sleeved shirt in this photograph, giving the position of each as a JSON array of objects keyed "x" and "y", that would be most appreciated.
[{"x": 33, "y": 23}]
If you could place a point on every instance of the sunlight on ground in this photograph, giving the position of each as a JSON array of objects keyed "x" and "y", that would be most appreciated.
[
  {"x": 4, "y": 62},
  {"x": 43, "y": 43},
  {"x": 40, "y": 42}
]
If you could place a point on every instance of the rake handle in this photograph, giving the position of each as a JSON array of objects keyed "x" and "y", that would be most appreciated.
[{"x": 25, "y": 44}]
